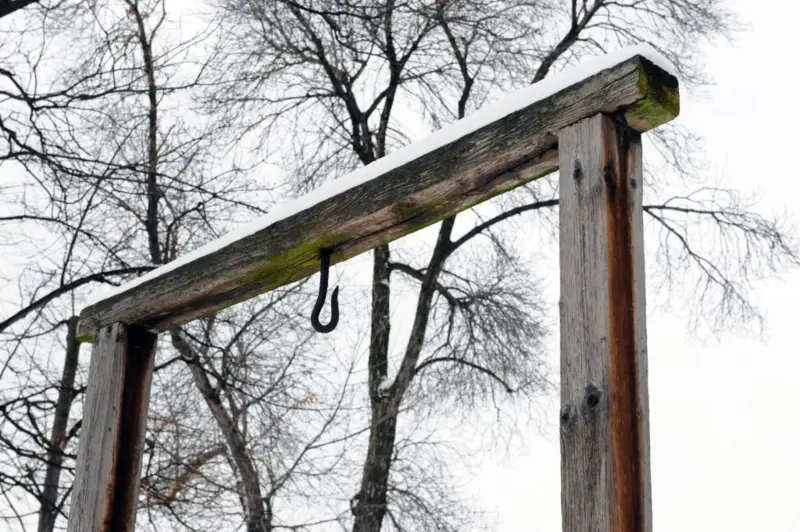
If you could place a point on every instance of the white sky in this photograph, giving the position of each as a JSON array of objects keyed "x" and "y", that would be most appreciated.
[
  {"x": 724, "y": 428},
  {"x": 724, "y": 423}
]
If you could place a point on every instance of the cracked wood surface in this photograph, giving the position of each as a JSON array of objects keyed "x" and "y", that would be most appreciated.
[{"x": 605, "y": 450}]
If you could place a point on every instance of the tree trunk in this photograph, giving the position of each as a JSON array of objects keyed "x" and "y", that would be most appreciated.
[
  {"x": 370, "y": 508},
  {"x": 258, "y": 515},
  {"x": 370, "y": 502},
  {"x": 48, "y": 512}
]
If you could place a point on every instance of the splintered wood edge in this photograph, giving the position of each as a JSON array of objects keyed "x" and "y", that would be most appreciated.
[{"x": 513, "y": 150}]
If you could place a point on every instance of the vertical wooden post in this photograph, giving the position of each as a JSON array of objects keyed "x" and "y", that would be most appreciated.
[
  {"x": 605, "y": 455},
  {"x": 112, "y": 433}
]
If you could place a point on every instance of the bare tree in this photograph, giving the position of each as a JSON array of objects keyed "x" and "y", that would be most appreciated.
[
  {"x": 115, "y": 172},
  {"x": 117, "y": 175},
  {"x": 339, "y": 77}
]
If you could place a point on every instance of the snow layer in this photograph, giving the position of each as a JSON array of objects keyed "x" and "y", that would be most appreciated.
[
  {"x": 384, "y": 386},
  {"x": 486, "y": 115}
]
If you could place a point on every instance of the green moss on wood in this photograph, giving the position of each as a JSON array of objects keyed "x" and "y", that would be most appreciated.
[
  {"x": 660, "y": 101},
  {"x": 283, "y": 269},
  {"x": 428, "y": 214},
  {"x": 408, "y": 210},
  {"x": 303, "y": 259},
  {"x": 84, "y": 337}
]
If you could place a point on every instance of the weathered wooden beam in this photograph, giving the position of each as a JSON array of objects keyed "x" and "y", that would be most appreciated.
[
  {"x": 605, "y": 466},
  {"x": 112, "y": 432},
  {"x": 502, "y": 155}
]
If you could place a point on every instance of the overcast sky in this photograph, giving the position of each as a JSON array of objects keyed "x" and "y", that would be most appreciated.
[
  {"x": 725, "y": 428},
  {"x": 724, "y": 422}
]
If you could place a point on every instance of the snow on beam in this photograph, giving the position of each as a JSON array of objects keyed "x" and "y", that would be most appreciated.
[{"x": 496, "y": 149}]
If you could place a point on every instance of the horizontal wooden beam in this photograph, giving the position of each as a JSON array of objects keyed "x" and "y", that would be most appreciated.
[{"x": 497, "y": 157}]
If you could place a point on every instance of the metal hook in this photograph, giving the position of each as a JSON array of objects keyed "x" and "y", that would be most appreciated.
[{"x": 325, "y": 263}]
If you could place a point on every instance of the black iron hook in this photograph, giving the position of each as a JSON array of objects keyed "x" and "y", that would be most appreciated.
[{"x": 325, "y": 263}]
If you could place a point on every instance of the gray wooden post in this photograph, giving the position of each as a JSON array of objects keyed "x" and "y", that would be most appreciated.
[
  {"x": 605, "y": 456},
  {"x": 112, "y": 433}
]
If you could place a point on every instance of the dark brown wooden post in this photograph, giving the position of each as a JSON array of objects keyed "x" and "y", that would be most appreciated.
[
  {"x": 113, "y": 428},
  {"x": 605, "y": 456}
]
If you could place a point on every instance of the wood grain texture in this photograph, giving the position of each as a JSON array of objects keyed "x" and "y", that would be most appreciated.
[
  {"x": 115, "y": 410},
  {"x": 498, "y": 157},
  {"x": 605, "y": 467}
]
